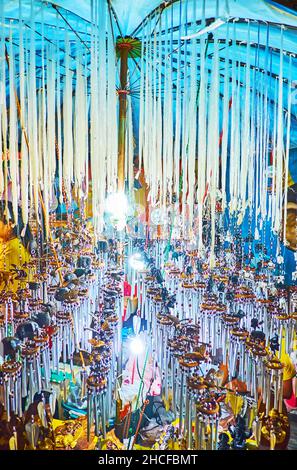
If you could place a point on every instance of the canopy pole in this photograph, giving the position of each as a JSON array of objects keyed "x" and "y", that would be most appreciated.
[{"x": 123, "y": 50}]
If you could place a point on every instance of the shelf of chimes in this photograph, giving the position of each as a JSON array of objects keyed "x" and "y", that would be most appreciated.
[
  {"x": 273, "y": 384},
  {"x": 31, "y": 369},
  {"x": 11, "y": 387},
  {"x": 254, "y": 356},
  {"x": 228, "y": 323},
  {"x": 236, "y": 353},
  {"x": 211, "y": 311},
  {"x": 188, "y": 364},
  {"x": 206, "y": 423}
]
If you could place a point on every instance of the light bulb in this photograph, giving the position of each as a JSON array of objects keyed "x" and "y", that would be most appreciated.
[
  {"x": 136, "y": 345},
  {"x": 136, "y": 262}
]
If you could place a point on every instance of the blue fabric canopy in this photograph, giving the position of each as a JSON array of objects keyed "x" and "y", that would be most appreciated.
[{"x": 129, "y": 18}]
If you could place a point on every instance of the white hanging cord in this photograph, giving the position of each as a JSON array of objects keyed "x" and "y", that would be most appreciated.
[
  {"x": 287, "y": 150},
  {"x": 24, "y": 150},
  {"x": 67, "y": 123},
  {"x": 279, "y": 144},
  {"x": 202, "y": 113},
  {"x": 13, "y": 143},
  {"x": 32, "y": 117}
]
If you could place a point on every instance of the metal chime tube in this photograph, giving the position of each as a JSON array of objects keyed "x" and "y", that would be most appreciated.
[
  {"x": 173, "y": 384},
  {"x": 189, "y": 428},
  {"x": 197, "y": 431},
  {"x": 181, "y": 402}
]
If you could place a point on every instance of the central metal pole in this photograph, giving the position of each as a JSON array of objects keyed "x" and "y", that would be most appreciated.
[{"x": 123, "y": 49}]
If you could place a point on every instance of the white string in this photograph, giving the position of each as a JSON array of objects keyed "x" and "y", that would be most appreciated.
[
  {"x": 177, "y": 119},
  {"x": 59, "y": 124},
  {"x": 111, "y": 109},
  {"x": 213, "y": 145},
  {"x": 279, "y": 144},
  {"x": 245, "y": 156},
  {"x": 67, "y": 123},
  {"x": 287, "y": 152},
  {"x": 80, "y": 126},
  {"x": 192, "y": 130},
  {"x": 94, "y": 125},
  {"x": 130, "y": 146},
  {"x": 225, "y": 122},
  {"x": 13, "y": 147},
  {"x": 24, "y": 151},
  {"x": 32, "y": 116},
  {"x": 51, "y": 111},
  {"x": 201, "y": 186}
]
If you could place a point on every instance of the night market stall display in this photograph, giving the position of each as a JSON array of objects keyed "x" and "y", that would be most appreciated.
[{"x": 148, "y": 225}]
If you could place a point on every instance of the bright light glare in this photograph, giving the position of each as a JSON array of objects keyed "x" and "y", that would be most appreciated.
[
  {"x": 136, "y": 345},
  {"x": 117, "y": 207},
  {"x": 136, "y": 262},
  {"x": 120, "y": 224},
  {"x": 116, "y": 204}
]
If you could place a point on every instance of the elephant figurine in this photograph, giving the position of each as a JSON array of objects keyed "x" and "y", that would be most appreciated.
[
  {"x": 27, "y": 330},
  {"x": 9, "y": 347}
]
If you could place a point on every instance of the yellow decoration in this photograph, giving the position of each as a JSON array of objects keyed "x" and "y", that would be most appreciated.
[
  {"x": 13, "y": 253},
  {"x": 138, "y": 447},
  {"x": 252, "y": 417},
  {"x": 111, "y": 442},
  {"x": 67, "y": 433},
  {"x": 12, "y": 443},
  {"x": 235, "y": 401},
  {"x": 167, "y": 402}
]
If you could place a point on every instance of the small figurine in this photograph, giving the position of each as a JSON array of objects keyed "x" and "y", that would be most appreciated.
[
  {"x": 189, "y": 270},
  {"x": 274, "y": 343},
  {"x": 239, "y": 434},
  {"x": 223, "y": 443}
]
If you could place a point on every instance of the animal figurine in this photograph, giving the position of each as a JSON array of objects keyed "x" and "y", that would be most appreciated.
[
  {"x": 239, "y": 434},
  {"x": 223, "y": 443},
  {"x": 27, "y": 330}
]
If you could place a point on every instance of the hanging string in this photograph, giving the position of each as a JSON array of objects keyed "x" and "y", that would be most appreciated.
[
  {"x": 213, "y": 148},
  {"x": 141, "y": 102},
  {"x": 51, "y": 111},
  {"x": 168, "y": 122},
  {"x": 67, "y": 123},
  {"x": 34, "y": 156},
  {"x": 94, "y": 124},
  {"x": 130, "y": 146},
  {"x": 185, "y": 128},
  {"x": 234, "y": 124},
  {"x": 266, "y": 119},
  {"x": 59, "y": 124},
  {"x": 111, "y": 107},
  {"x": 177, "y": 113},
  {"x": 24, "y": 151},
  {"x": 274, "y": 137},
  {"x": 252, "y": 150},
  {"x": 279, "y": 144},
  {"x": 13, "y": 144},
  {"x": 201, "y": 164},
  {"x": 156, "y": 141},
  {"x": 80, "y": 126},
  {"x": 287, "y": 150},
  {"x": 102, "y": 100},
  {"x": 44, "y": 166},
  {"x": 226, "y": 105},
  {"x": 193, "y": 127},
  {"x": 159, "y": 121},
  {"x": 245, "y": 156}
]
